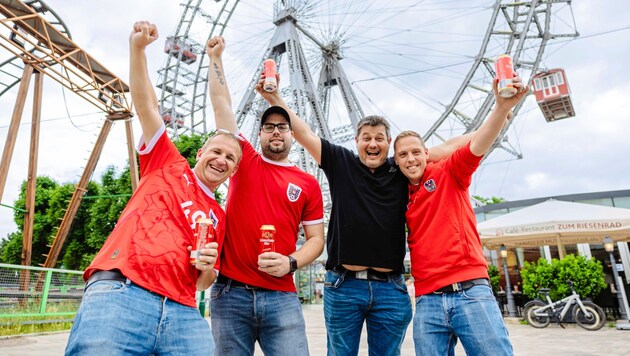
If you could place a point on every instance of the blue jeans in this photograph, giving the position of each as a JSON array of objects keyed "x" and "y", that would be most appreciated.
[
  {"x": 118, "y": 318},
  {"x": 471, "y": 315},
  {"x": 241, "y": 316},
  {"x": 384, "y": 306}
]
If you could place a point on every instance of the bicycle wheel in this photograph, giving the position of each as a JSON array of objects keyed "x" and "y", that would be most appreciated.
[
  {"x": 591, "y": 318},
  {"x": 533, "y": 319}
]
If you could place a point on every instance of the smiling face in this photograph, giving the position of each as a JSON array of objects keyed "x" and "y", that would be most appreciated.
[
  {"x": 410, "y": 156},
  {"x": 276, "y": 145},
  {"x": 217, "y": 160},
  {"x": 372, "y": 145}
]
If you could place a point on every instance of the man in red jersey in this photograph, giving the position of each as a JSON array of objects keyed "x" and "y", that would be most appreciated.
[
  {"x": 453, "y": 294},
  {"x": 254, "y": 297},
  {"x": 140, "y": 291}
]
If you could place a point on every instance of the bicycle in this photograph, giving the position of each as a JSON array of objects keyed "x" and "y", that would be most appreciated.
[{"x": 588, "y": 315}]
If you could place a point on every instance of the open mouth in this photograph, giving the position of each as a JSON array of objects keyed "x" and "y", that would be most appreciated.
[
  {"x": 215, "y": 168},
  {"x": 373, "y": 154}
]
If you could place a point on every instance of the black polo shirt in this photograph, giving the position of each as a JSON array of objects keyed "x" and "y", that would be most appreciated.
[{"x": 367, "y": 221}]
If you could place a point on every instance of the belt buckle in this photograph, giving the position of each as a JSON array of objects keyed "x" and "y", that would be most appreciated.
[
  {"x": 455, "y": 287},
  {"x": 361, "y": 274}
]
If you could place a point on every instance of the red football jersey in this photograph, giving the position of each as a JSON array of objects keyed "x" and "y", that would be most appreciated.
[
  {"x": 443, "y": 241},
  {"x": 149, "y": 243},
  {"x": 264, "y": 192}
]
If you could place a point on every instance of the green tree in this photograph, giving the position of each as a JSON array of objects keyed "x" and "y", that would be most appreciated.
[
  {"x": 188, "y": 145},
  {"x": 495, "y": 278},
  {"x": 587, "y": 275},
  {"x": 489, "y": 201},
  {"x": 42, "y": 224}
]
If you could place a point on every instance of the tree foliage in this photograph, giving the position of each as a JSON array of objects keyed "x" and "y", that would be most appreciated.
[
  {"x": 587, "y": 275},
  {"x": 98, "y": 213},
  {"x": 489, "y": 201},
  {"x": 495, "y": 278}
]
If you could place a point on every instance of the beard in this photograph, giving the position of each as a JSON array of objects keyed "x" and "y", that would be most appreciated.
[{"x": 276, "y": 153}]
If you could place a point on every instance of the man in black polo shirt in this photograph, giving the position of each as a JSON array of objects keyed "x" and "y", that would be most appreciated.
[{"x": 366, "y": 235}]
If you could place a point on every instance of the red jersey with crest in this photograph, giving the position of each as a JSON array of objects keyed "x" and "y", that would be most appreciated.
[
  {"x": 443, "y": 241},
  {"x": 264, "y": 192},
  {"x": 149, "y": 244}
]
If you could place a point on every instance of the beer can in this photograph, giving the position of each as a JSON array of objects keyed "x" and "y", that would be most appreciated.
[
  {"x": 204, "y": 234},
  {"x": 270, "y": 83},
  {"x": 505, "y": 72},
  {"x": 267, "y": 238}
]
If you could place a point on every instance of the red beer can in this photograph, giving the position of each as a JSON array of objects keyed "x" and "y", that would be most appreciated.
[
  {"x": 204, "y": 234},
  {"x": 270, "y": 83},
  {"x": 505, "y": 72},
  {"x": 267, "y": 238}
]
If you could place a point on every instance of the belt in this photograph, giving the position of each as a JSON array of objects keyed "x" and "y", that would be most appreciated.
[
  {"x": 234, "y": 283},
  {"x": 459, "y": 286},
  {"x": 112, "y": 275},
  {"x": 367, "y": 274}
]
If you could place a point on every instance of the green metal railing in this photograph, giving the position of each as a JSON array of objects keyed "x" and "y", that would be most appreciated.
[{"x": 27, "y": 291}]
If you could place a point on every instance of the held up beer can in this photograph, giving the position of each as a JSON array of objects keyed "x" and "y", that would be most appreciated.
[
  {"x": 270, "y": 75},
  {"x": 267, "y": 238},
  {"x": 204, "y": 234},
  {"x": 505, "y": 72}
]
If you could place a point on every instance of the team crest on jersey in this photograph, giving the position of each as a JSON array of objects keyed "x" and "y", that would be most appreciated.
[
  {"x": 429, "y": 185},
  {"x": 293, "y": 192}
]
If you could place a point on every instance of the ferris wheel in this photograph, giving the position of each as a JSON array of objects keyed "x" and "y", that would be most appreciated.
[{"x": 426, "y": 66}]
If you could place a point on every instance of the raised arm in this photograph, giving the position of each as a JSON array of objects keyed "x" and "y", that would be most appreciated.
[
  {"x": 219, "y": 93},
  {"x": 489, "y": 130},
  {"x": 447, "y": 148},
  {"x": 142, "y": 93},
  {"x": 301, "y": 130}
]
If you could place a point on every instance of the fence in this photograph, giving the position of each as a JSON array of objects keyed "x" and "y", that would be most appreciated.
[{"x": 39, "y": 292}]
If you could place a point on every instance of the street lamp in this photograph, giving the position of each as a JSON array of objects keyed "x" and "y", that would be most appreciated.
[
  {"x": 609, "y": 246},
  {"x": 508, "y": 287}
]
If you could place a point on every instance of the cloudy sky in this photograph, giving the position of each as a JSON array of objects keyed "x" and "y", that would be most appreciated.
[{"x": 586, "y": 153}]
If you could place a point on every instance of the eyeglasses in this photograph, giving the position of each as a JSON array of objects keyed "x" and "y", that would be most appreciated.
[{"x": 282, "y": 127}]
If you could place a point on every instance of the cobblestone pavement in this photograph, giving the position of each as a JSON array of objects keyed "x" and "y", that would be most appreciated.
[{"x": 552, "y": 340}]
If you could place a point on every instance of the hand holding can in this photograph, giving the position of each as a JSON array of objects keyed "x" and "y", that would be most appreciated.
[
  {"x": 204, "y": 234},
  {"x": 505, "y": 72},
  {"x": 270, "y": 83}
]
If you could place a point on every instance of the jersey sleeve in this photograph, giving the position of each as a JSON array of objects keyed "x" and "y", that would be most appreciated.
[
  {"x": 157, "y": 153},
  {"x": 462, "y": 164}
]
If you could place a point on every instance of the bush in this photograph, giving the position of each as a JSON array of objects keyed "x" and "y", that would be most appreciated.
[
  {"x": 493, "y": 273},
  {"x": 587, "y": 276}
]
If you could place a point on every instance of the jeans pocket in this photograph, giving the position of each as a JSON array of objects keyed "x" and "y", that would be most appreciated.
[
  {"x": 399, "y": 282},
  {"x": 218, "y": 289},
  {"x": 333, "y": 280},
  {"x": 480, "y": 292},
  {"x": 105, "y": 286}
]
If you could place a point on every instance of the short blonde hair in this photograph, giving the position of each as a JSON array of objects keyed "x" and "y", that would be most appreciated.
[{"x": 409, "y": 133}]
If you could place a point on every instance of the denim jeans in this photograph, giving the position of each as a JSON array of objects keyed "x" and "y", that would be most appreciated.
[
  {"x": 118, "y": 318},
  {"x": 471, "y": 315},
  {"x": 384, "y": 306},
  {"x": 241, "y": 316}
]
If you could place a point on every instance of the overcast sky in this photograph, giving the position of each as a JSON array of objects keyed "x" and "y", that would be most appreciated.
[{"x": 586, "y": 153}]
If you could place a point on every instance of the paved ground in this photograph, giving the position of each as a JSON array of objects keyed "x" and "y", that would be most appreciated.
[{"x": 553, "y": 340}]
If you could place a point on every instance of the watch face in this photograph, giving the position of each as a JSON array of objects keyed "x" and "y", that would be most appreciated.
[{"x": 292, "y": 264}]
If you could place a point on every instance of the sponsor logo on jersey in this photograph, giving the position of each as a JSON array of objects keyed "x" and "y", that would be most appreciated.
[
  {"x": 429, "y": 185},
  {"x": 293, "y": 192}
]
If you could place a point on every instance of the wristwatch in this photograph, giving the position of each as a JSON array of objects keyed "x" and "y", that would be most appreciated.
[{"x": 292, "y": 264}]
